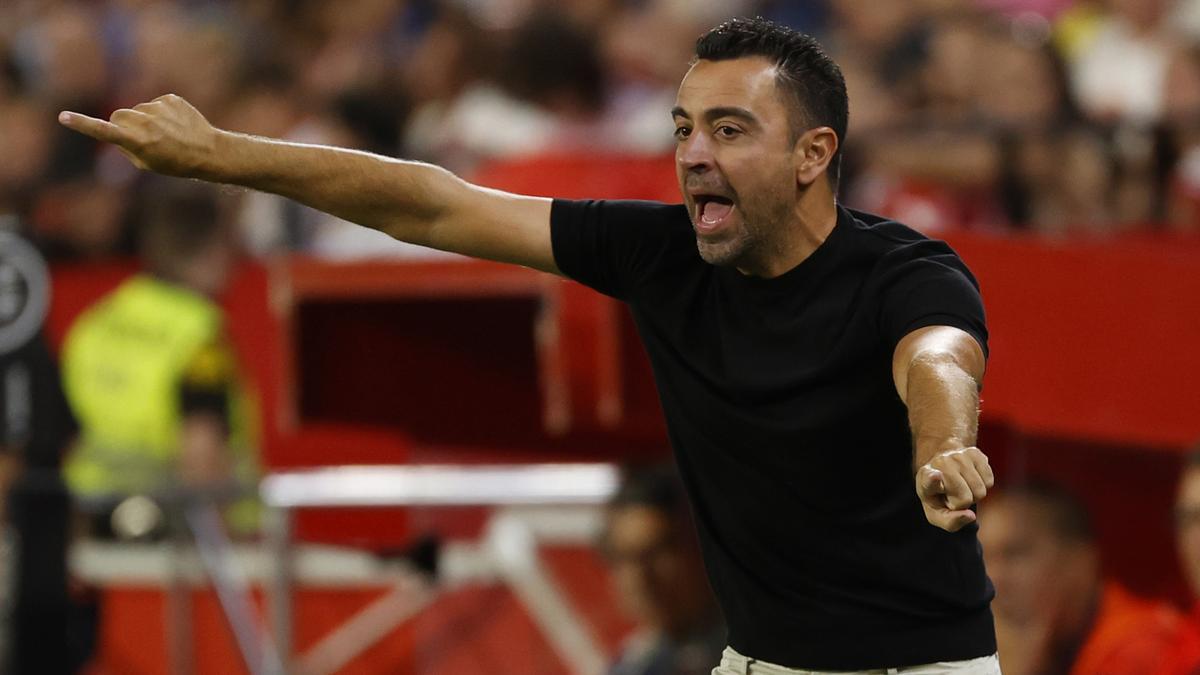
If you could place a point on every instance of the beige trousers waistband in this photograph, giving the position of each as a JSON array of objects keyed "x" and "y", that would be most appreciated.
[{"x": 733, "y": 663}]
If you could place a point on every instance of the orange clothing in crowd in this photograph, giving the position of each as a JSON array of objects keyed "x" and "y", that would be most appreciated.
[{"x": 1135, "y": 636}]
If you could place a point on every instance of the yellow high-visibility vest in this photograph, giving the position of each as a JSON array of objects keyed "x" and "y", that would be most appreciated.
[{"x": 123, "y": 365}]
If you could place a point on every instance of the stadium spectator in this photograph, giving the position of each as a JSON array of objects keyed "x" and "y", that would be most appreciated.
[
  {"x": 148, "y": 370},
  {"x": 1187, "y": 542},
  {"x": 1119, "y": 73},
  {"x": 1181, "y": 116},
  {"x": 650, "y": 544},
  {"x": 492, "y": 80},
  {"x": 41, "y": 629},
  {"x": 1187, "y": 525},
  {"x": 996, "y": 105},
  {"x": 1054, "y": 611}
]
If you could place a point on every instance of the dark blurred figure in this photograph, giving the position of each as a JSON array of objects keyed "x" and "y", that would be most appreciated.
[
  {"x": 1012, "y": 148},
  {"x": 1054, "y": 611},
  {"x": 150, "y": 373},
  {"x": 554, "y": 64},
  {"x": 1181, "y": 118},
  {"x": 650, "y": 543},
  {"x": 40, "y": 632},
  {"x": 1187, "y": 528}
]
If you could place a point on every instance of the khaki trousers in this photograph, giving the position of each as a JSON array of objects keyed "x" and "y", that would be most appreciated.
[{"x": 733, "y": 663}]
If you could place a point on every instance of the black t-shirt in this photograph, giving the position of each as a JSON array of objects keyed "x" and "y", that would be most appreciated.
[{"x": 790, "y": 436}]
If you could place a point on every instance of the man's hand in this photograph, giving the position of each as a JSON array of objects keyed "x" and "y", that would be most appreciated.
[
  {"x": 166, "y": 135},
  {"x": 950, "y": 483}
]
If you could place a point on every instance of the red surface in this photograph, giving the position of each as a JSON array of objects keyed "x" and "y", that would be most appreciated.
[
  {"x": 1095, "y": 340},
  {"x": 591, "y": 176}
]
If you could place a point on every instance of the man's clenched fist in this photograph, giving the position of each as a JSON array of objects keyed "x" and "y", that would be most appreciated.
[{"x": 950, "y": 483}]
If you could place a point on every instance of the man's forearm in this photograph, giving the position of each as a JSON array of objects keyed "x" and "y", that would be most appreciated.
[
  {"x": 398, "y": 197},
  {"x": 943, "y": 406},
  {"x": 414, "y": 202}
]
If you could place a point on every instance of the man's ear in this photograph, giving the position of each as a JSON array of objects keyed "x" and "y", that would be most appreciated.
[{"x": 813, "y": 152}]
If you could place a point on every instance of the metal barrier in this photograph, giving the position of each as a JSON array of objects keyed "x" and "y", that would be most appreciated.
[{"x": 508, "y": 553}]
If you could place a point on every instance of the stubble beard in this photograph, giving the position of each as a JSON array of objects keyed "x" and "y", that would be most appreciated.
[
  {"x": 728, "y": 250},
  {"x": 752, "y": 242}
]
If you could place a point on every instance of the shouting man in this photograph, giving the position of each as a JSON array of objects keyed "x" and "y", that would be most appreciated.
[{"x": 819, "y": 368}]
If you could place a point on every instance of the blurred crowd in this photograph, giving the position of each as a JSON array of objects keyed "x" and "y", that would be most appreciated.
[
  {"x": 1060, "y": 117},
  {"x": 1050, "y": 115}
]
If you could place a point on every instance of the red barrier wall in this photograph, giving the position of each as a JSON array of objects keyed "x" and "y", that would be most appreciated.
[{"x": 1092, "y": 339}]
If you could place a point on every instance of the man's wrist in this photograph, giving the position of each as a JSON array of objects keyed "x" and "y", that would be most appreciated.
[
  {"x": 220, "y": 165},
  {"x": 926, "y": 451}
]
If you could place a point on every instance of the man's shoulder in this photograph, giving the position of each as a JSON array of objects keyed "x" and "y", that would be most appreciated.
[
  {"x": 882, "y": 232},
  {"x": 893, "y": 244},
  {"x": 636, "y": 209}
]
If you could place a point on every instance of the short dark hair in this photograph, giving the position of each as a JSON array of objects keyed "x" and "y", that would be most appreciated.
[
  {"x": 1192, "y": 459},
  {"x": 655, "y": 487},
  {"x": 1066, "y": 516},
  {"x": 805, "y": 71},
  {"x": 178, "y": 220}
]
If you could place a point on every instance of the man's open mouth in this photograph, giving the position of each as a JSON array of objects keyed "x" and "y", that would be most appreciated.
[{"x": 711, "y": 210}]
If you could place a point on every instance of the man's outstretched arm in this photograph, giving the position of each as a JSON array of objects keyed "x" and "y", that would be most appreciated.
[
  {"x": 411, "y": 201},
  {"x": 938, "y": 371}
]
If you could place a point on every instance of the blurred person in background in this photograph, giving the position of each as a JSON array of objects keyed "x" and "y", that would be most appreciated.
[
  {"x": 924, "y": 72},
  {"x": 1013, "y": 152},
  {"x": 266, "y": 105},
  {"x": 1055, "y": 613},
  {"x": 1119, "y": 69},
  {"x": 547, "y": 92},
  {"x": 150, "y": 373},
  {"x": 40, "y": 629},
  {"x": 650, "y": 544},
  {"x": 1187, "y": 527},
  {"x": 60, "y": 54},
  {"x": 49, "y": 179},
  {"x": 1181, "y": 120},
  {"x": 26, "y": 143}
]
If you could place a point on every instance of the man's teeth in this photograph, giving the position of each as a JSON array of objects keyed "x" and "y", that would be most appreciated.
[{"x": 711, "y": 212}]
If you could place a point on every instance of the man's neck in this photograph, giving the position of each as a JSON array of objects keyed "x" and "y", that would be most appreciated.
[{"x": 812, "y": 222}]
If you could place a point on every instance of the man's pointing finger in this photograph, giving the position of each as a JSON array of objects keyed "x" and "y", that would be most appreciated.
[{"x": 90, "y": 126}]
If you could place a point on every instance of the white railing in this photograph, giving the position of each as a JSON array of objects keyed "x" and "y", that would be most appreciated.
[{"x": 508, "y": 552}]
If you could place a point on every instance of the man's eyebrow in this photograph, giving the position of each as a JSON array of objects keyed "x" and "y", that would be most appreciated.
[
  {"x": 730, "y": 111},
  {"x": 719, "y": 112}
]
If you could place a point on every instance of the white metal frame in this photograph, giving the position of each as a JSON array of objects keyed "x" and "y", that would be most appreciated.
[{"x": 508, "y": 552}]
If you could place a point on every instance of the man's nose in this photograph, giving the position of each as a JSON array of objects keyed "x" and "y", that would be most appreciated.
[{"x": 694, "y": 153}]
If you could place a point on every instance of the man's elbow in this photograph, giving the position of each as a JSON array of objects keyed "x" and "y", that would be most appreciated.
[
  {"x": 944, "y": 363},
  {"x": 939, "y": 352}
]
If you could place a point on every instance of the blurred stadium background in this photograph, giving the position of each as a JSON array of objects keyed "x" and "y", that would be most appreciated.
[{"x": 1054, "y": 143}]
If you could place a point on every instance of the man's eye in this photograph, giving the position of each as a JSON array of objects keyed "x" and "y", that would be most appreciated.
[
  {"x": 682, "y": 132},
  {"x": 728, "y": 131}
]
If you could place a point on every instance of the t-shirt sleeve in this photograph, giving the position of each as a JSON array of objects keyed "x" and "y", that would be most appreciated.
[
  {"x": 611, "y": 246},
  {"x": 926, "y": 284}
]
